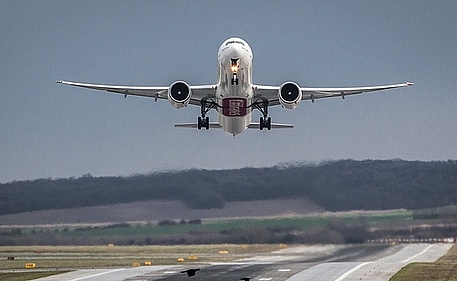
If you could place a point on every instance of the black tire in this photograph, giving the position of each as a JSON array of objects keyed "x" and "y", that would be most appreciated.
[{"x": 199, "y": 124}]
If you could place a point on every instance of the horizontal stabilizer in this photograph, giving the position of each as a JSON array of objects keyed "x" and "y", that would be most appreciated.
[
  {"x": 195, "y": 125},
  {"x": 255, "y": 125}
]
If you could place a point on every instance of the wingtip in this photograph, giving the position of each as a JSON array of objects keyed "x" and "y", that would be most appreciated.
[
  {"x": 59, "y": 81},
  {"x": 409, "y": 83}
]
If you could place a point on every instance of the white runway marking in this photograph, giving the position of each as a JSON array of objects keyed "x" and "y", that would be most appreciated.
[
  {"x": 346, "y": 274},
  {"x": 425, "y": 250},
  {"x": 98, "y": 274}
]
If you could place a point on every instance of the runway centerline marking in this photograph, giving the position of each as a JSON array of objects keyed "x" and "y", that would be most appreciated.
[
  {"x": 346, "y": 274},
  {"x": 98, "y": 274},
  {"x": 284, "y": 270}
]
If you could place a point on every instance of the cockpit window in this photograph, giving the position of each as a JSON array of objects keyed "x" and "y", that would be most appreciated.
[{"x": 231, "y": 42}]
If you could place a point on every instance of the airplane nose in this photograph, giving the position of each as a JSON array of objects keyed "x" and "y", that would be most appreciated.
[{"x": 234, "y": 52}]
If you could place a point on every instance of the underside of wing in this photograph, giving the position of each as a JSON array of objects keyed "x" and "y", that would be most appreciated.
[
  {"x": 319, "y": 93},
  {"x": 145, "y": 91},
  {"x": 270, "y": 93},
  {"x": 161, "y": 92}
]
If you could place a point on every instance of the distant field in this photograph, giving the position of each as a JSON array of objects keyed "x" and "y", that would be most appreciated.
[
  {"x": 311, "y": 228},
  {"x": 215, "y": 226},
  {"x": 353, "y": 227},
  {"x": 152, "y": 211}
]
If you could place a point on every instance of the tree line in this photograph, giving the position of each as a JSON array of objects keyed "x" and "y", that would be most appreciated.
[{"x": 334, "y": 185}]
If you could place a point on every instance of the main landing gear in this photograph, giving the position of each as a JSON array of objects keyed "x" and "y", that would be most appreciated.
[
  {"x": 203, "y": 122},
  {"x": 265, "y": 121},
  {"x": 206, "y": 105}
]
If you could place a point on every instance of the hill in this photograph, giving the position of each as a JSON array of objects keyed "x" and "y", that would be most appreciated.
[{"x": 334, "y": 186}]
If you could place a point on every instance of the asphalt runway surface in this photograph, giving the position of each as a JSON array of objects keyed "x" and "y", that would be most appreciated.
[{"x": 318, "y": 263}]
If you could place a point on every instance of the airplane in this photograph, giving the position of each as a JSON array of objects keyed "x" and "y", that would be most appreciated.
[{"x": 234, "y": 96}]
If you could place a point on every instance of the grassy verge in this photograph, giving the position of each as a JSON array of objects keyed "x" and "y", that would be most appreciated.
[
  {"x": 53, "y": 257},
  {"x": 22, "y": 276},
  {"x": 443, "y": 269}
]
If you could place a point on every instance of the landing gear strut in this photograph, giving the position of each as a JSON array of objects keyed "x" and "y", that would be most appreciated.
[
  {"x": 265, "y": 121},
  {"x": 206, "y": 105}
]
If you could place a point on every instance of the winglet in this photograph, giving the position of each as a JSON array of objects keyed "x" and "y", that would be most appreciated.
[{"x": 409, "y": 83}]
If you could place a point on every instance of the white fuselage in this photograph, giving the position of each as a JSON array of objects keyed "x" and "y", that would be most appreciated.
[{"x": 234, "y": 92}]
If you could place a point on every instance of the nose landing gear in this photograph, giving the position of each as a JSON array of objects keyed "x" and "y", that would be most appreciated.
[{"x": 234, "y": 80}]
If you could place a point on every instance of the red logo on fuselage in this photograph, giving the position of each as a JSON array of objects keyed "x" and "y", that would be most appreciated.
[{"x": 233, "y": 107}]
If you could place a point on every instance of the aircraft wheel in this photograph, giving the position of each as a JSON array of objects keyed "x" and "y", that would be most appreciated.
[
  {"x": 199, "y": 124},
  {"x": 261, "y": 123},
  {"x": 207, "y": 123}
]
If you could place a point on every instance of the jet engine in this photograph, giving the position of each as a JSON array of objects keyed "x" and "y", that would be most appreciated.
[
  {"x": 289, "y": 95},
  {"x": 179, "y": 94}
]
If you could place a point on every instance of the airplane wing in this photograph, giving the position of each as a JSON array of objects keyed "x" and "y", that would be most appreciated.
[
  {"x": 198, "y": 92},
  {"x": 271, "y": 92}
]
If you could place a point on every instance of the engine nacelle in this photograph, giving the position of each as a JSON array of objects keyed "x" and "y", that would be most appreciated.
[
  {"x": 289, "y": 95},
  {"x": 179, "y": 94}
]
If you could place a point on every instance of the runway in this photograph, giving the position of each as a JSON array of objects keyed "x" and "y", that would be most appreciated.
[{"x": 318, "y": 263}]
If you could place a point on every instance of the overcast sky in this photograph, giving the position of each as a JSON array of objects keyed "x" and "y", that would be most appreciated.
[{"x": 52, "y": 130}]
